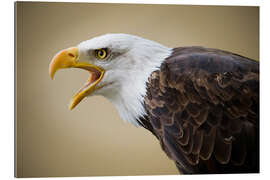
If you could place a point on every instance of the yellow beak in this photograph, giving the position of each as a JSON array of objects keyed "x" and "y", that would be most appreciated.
[{"x": 68, "y": 58}]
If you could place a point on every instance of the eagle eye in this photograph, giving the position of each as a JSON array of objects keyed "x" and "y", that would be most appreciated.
[{"x": 101, "y": 53}]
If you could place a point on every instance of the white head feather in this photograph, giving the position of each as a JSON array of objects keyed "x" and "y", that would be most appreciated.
[{"x": 127, "y": 70}]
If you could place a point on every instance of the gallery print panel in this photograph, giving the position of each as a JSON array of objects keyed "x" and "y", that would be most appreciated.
[{"x": 137, "y": 89}]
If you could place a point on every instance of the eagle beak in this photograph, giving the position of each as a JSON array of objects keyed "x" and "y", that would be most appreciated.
[{"x": 68, "y": 58}]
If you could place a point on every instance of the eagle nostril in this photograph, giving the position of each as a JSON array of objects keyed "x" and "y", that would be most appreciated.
[{"x": 71, "y": 55}]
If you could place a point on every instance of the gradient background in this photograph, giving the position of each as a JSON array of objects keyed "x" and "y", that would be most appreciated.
[{"x": 92, "y": 140}]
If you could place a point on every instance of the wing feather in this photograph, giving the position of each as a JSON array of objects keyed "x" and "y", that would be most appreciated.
[{"x": 203, "y": 105}]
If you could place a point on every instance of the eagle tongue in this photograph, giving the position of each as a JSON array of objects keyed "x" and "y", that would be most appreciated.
[{"x": 93, "y": 77}]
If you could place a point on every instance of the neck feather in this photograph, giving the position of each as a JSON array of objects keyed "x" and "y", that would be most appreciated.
[{"x": 129, "y": 98}]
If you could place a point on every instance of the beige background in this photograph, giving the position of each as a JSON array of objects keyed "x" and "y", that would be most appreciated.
[{"x": 92, "y": 140}]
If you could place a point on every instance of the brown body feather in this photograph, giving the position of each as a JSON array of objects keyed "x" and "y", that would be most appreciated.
[{"x": 203, "y": 106}]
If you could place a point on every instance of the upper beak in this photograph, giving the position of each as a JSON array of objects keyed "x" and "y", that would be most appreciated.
[
  {"x": 68, "y": 58},
  {"x": 64, "y": 59}
]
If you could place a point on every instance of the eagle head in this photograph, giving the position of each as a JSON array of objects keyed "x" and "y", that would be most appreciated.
[{"x": 119, "y": 66}]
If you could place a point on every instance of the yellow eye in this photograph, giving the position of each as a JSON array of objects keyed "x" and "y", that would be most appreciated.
[{"x": 101, "y": 53}]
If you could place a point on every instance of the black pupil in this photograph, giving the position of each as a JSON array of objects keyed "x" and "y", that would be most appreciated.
[{"x": 101, "y": 53}]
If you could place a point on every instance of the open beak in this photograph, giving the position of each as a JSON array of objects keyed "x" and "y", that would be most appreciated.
[{"x": 68, "y": 58}]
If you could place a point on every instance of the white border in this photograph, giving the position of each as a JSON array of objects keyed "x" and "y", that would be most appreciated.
[{"x": 7, "y": 86}]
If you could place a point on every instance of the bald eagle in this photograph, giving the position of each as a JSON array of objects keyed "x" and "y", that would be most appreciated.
[{"x": 202, "y": 104}]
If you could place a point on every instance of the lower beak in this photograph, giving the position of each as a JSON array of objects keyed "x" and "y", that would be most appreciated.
[{"x": 68, "y": 58}]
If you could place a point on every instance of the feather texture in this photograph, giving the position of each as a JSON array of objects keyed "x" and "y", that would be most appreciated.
[{"x": 203, "y": 105}]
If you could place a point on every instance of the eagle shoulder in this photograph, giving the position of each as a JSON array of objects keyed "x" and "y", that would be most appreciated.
[{"x": 203, "y": 106}]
